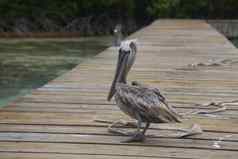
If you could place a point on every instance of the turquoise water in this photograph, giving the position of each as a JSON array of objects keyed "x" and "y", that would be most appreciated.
[{"x": 26, "y": 64}]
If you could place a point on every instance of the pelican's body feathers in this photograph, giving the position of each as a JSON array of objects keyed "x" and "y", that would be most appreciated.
[{"x": 147, "y": 102}]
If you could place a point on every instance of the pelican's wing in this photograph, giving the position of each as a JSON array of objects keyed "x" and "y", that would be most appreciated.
[
  {"x": 163, "y": 100},
  {"x": 146, "y": 101}
]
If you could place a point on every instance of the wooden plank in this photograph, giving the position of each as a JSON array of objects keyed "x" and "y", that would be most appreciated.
[
  {"x": 113, "y": 109},
  {"x": 102, "y": 149},
  {"x": 102, "y": 130},
  {"x": 100, "y": 100},
  {"x": 88, "y": 118},
  {"x": 22, "y": 155},
  {"x": 115, "y": 140},
  {"x": 102, "y": 94},
  {"x": 109, "y": 106}
]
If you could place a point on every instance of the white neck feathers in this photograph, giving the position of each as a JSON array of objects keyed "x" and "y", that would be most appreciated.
[{"x": 125, "y": 45}]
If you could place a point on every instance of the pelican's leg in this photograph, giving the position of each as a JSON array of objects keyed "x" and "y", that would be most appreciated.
[
  {"x": 146, "y": 127},
  {"x": 138, "y": 136}
]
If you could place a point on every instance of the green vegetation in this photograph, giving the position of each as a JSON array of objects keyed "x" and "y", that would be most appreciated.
[
  {"x": 92, "y": 17},
  {"x": 208, "y": 9}
]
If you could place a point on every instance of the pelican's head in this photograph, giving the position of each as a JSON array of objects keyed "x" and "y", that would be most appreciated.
[{"x": 126, "y": 58}]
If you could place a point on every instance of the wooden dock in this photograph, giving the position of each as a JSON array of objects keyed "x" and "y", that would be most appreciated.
[{"x": 188, "y": 60}]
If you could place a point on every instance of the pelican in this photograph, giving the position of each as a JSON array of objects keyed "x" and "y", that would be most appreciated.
[{"x": 142, "y": 103}]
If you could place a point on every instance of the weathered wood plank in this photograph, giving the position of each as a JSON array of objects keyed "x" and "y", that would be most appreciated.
[
  {"x": 109, "y": 106},
  {"x": 113, "y": 109},
  {"x": 88, "y": 118},
  {"x": 102, "y": 130},
  {"x": 22, "y": 155},
  {"x": 121, "y": 150},
  {"x": 115, "y": 140},
  {"x": 100, "y": 100}
]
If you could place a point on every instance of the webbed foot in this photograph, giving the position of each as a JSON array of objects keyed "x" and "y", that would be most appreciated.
[{"x": 138, "y": 137}]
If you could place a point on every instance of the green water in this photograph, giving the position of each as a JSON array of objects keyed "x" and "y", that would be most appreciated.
[
  {"x": 235, "y": 41},
  {"x": 26, "y": 64}
]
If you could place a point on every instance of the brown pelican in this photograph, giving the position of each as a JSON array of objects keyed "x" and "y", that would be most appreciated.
[{"x": 144, "y": 104}]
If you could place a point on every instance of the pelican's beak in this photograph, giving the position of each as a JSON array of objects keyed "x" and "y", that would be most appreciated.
[{"x": 120, "y": 75}]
